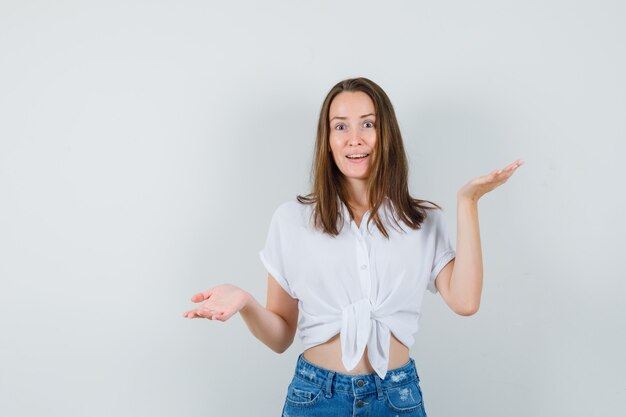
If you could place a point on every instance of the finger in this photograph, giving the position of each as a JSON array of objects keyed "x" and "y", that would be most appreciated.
[
  {"x": 511, "y": 169},
  {"x": 199, "y": 312},
  {"x": 513, "y": 166},
  {"x": 518, "y": 164},
  {"x": 206, "y": 313},
  {"x": 193, "y": 314},
  {"x": 505, "y": 172},
  {"x": 190, "y": 314},
  {"x": 493, "y": 175},
  {"x": 201, "y": 296}
]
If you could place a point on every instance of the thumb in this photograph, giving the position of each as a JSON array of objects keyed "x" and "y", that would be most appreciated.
[{"x": 201, "y": 296}]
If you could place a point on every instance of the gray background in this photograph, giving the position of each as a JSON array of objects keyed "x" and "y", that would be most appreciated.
[{"x": 145, "y": 145}]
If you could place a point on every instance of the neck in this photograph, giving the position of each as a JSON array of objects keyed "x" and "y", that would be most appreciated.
[{"x": 357, "y": 193}]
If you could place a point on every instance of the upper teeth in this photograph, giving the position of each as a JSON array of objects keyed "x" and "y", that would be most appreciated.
[{"x": 357, "y": 155}]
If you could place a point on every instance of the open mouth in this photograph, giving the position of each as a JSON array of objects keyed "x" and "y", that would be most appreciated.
[{"x": 357, "y": 157}]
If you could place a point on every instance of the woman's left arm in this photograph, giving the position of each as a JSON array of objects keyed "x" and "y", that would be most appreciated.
[{"x": 460, "y": 282}]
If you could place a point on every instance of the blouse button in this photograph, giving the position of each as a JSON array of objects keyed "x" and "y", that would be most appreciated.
[
  {"x": 363, "y": 266},
  {"x": 359, "y": 403},
  {"x": 360, "y": 383}
]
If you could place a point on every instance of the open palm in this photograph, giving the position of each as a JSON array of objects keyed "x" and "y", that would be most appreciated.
[
  {"x": 479, "y": 186},
  {"x": 220, "y": 302}
]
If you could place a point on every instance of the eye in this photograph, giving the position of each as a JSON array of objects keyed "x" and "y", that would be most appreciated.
[
  {"x": 368, "y": 123},
  {"x": 338, "y": 126}
]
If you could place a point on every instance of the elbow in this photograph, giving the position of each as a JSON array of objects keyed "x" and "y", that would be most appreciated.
[
  {"x": 282, "y": 348},
  {"x": 467, "y": 310}
]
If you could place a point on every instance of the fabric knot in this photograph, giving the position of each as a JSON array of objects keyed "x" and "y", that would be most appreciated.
[{"x": 360, "y": 327}]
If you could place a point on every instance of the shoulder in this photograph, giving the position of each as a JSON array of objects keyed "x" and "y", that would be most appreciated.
[
  {"x": 290, "y": 207},
  {"x": 434, "y": 216},
  {"x": 291, "y": 211}
]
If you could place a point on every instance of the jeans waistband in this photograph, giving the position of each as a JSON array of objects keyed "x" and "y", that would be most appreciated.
[{"x": 359, "y": 384}]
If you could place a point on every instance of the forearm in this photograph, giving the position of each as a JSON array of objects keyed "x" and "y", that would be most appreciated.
[
  {"x": 467, "y": 276},
  {"x": 267, "y": 326}
]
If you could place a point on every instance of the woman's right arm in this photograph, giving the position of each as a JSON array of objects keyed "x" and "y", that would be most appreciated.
[{"x": 274, "y": 325}]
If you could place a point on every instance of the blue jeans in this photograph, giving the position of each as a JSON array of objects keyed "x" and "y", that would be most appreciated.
[{"x": 316, "y": 391}]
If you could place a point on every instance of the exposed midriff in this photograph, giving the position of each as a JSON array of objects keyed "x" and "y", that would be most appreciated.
[{"x": 328, "y": 355}]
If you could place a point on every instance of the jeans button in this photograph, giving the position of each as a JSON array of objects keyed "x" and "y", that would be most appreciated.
[
  {"x": 360, "y": 383},
  {"x": 359, "y": 403}
]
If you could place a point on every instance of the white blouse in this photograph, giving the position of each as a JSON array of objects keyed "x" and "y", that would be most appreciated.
[{"x": 358, "y": 284}]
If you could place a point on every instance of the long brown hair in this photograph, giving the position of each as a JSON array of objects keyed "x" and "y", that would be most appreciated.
[{"x": 388, "y": 176}]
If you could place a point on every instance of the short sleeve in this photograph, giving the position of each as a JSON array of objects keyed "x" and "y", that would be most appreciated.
[
  {"x": 272, "y": 255},
  {"x": 444, "y": 252}
]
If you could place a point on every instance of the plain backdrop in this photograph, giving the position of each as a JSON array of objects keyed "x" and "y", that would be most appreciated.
[{"x": 145, "y": 144}]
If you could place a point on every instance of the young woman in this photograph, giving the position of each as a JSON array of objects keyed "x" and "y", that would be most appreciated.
[{"x": 349, "y": 264}]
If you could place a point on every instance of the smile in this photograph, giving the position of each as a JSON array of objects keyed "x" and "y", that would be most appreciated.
[{"x": 358, "y": 158}]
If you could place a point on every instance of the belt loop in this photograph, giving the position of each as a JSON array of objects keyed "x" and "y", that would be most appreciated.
[
  {"x": 415, "y": 369},
  {"x": 329, "y": 383},
  {"x": 379, "y": 388}
]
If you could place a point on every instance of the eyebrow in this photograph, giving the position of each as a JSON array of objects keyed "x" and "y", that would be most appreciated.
[{"x": 343, "y": 118}]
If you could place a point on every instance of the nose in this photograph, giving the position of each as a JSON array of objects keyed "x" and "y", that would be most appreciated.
[{"x": 355, "y": 138}]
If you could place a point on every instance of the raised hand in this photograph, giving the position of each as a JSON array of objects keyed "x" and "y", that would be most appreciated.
[
  {"x": 220, "y": 302},
  {"x": 479, "y": 186}
]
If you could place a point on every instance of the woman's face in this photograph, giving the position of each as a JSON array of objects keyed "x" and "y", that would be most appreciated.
[{"x": 352, "y": 121}]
